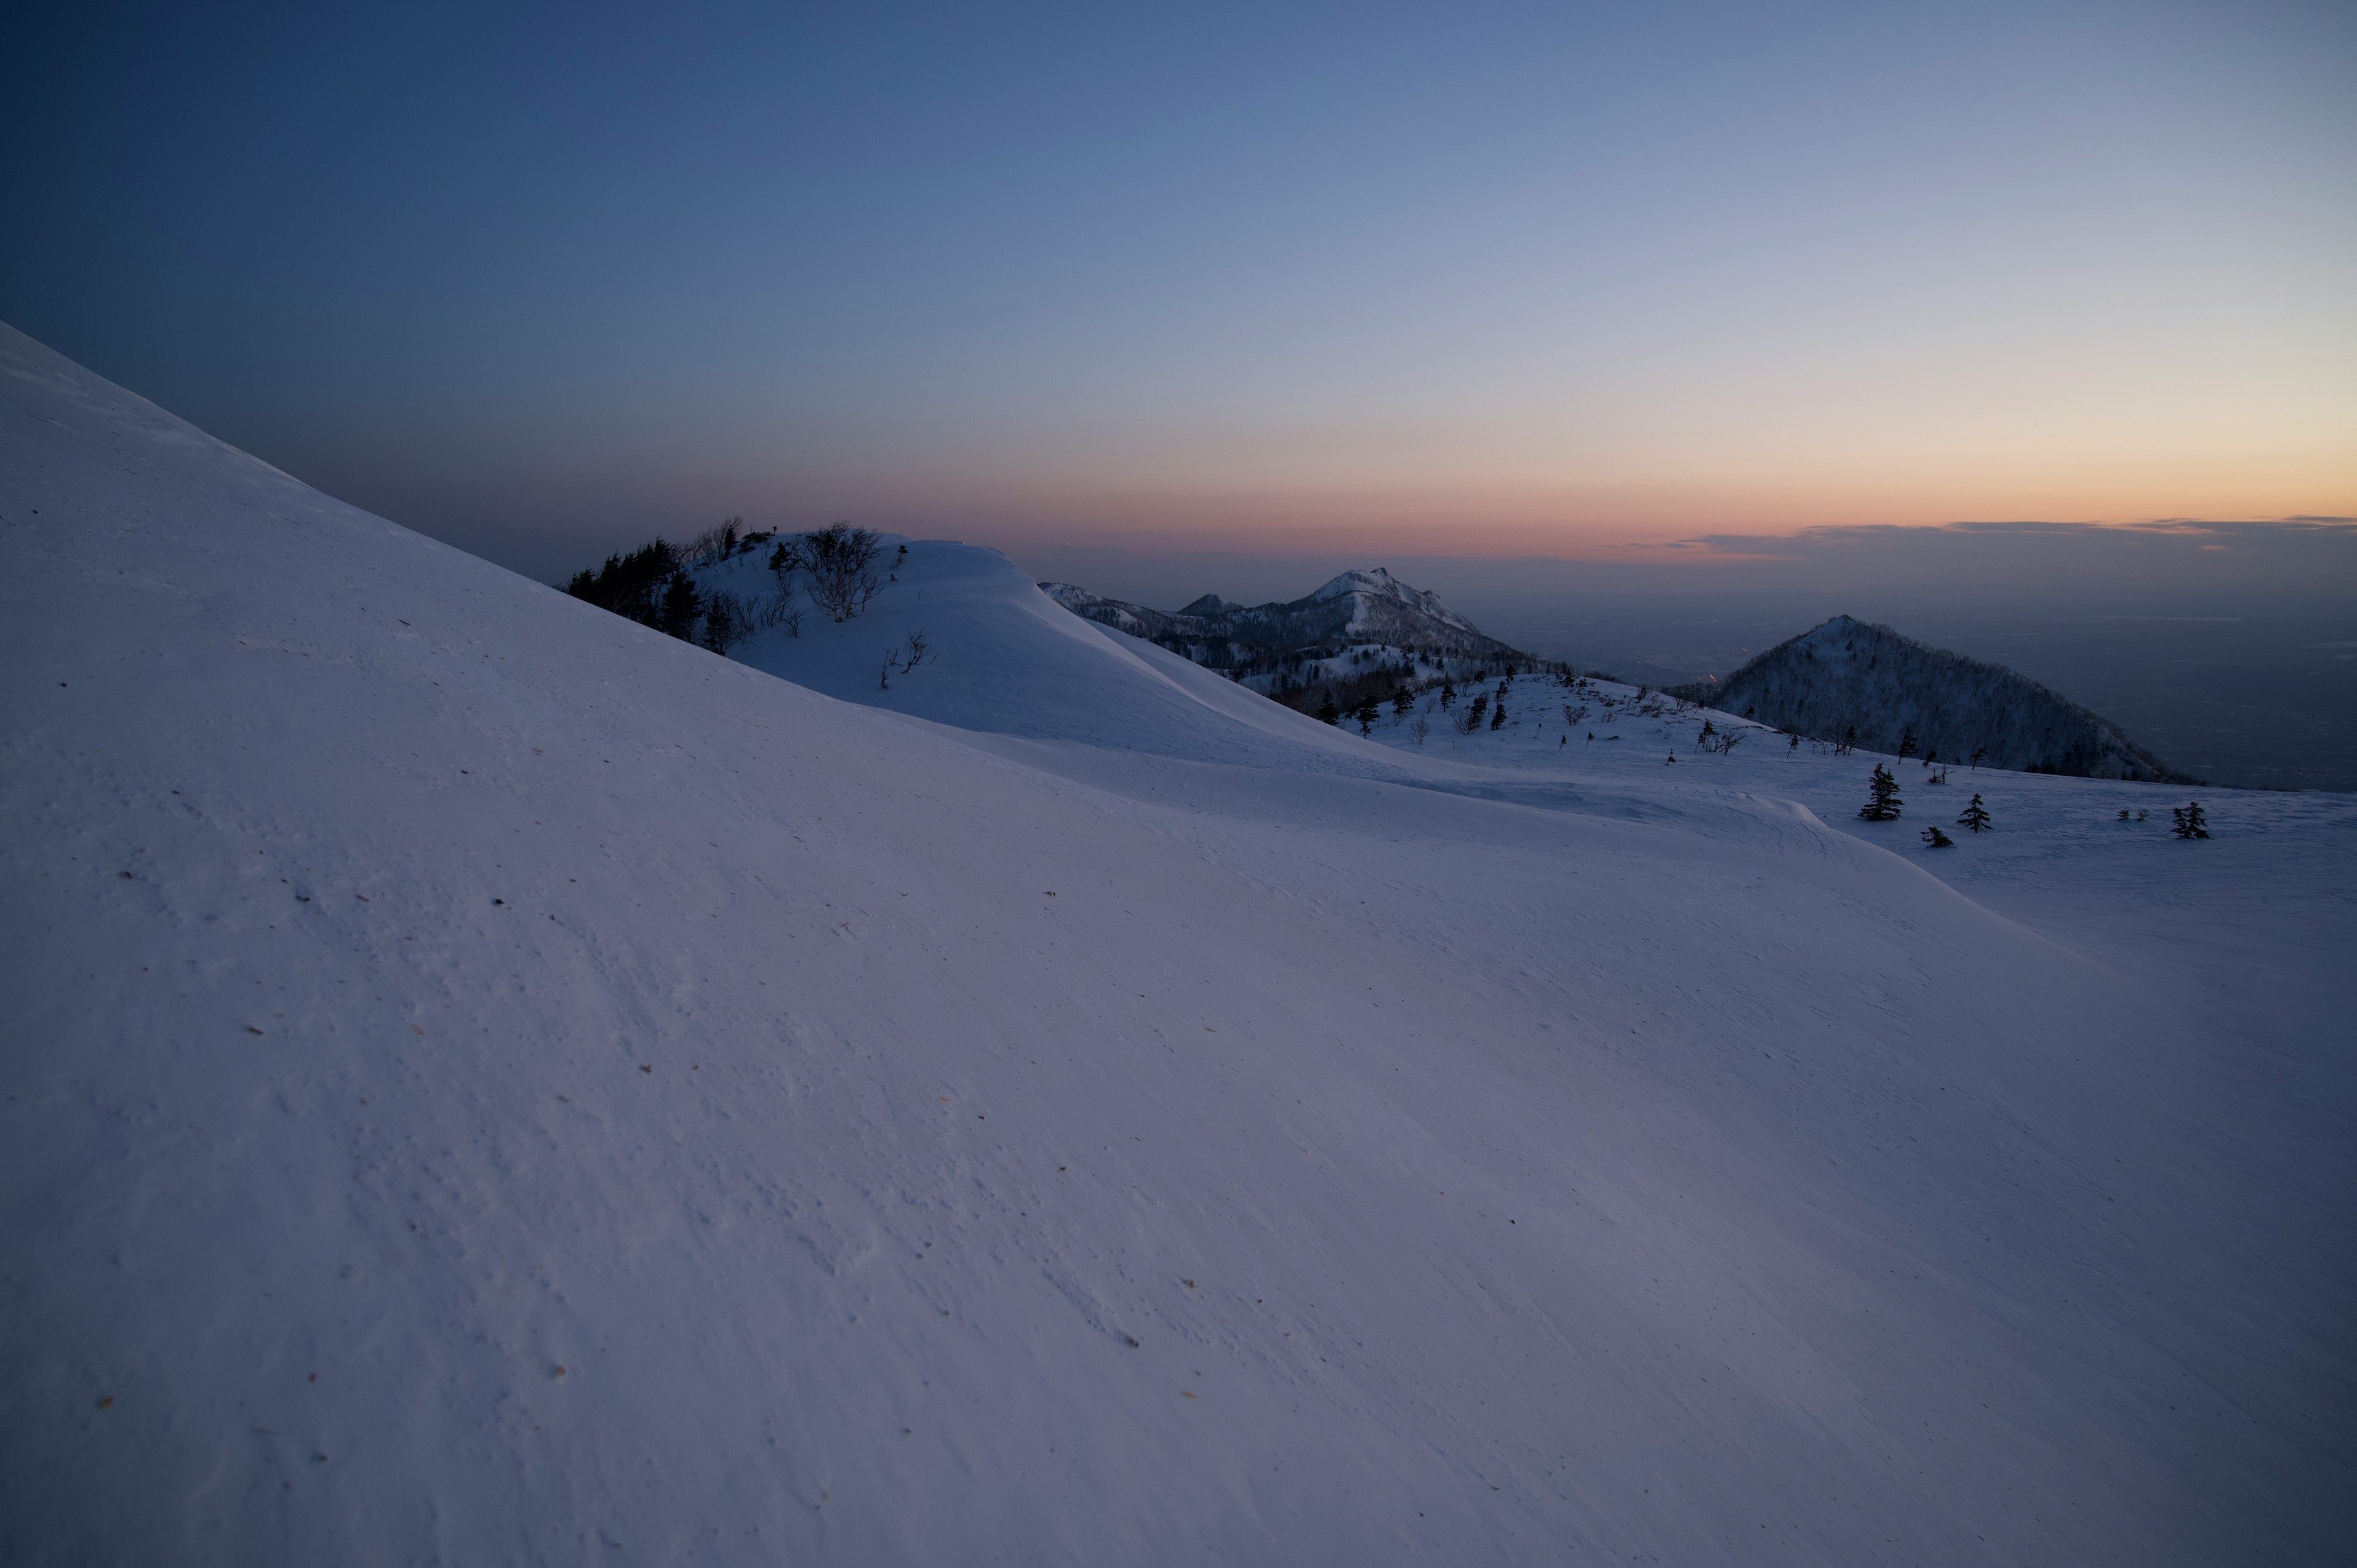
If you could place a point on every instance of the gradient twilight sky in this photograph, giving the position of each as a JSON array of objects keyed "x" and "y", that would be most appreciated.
[{"x": 1462, "y": 281}]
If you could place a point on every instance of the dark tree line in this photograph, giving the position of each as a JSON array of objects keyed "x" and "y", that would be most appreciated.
[{"x": 655, "y": 585}]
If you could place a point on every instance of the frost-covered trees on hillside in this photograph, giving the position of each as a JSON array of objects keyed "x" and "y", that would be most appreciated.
[
  {"x": 842, "y": 562},
  {"x": 657, "y": 585}
]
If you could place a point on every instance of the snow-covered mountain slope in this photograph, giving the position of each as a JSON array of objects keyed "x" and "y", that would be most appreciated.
[
  {"x": 1000, "y": 656},
  {"x": 486, "y": 1082},
  {"x": 1370, "y": 608},
  {"x": 1847, "y": 679}
]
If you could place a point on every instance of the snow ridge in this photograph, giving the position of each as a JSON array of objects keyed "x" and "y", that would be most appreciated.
[{"x": 488, "y": 1081}]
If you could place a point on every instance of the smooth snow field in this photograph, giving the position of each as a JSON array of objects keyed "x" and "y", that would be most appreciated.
[{"x": 489, "y": 1083}]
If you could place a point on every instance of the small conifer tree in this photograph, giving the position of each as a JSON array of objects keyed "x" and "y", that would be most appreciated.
[
  {"x": 681, "y": 607},
  {"x": 725, "y": 623},
  {"x": 2191, "y": 822},
  {"x": 1936, "y": 839},
  {"x": 1976, "y": 818},
  {"x": 1884, "y": 805},
  {"x": 1326, "y": 712}
]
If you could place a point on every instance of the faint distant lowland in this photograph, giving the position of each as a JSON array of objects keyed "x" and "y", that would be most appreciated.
[{"x": 1865, "y": 685}]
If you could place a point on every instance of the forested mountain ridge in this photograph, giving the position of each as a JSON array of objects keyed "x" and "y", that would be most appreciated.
[
  {"x": 1853, "y": 682},
  {"x": 1356, "y": 608}
]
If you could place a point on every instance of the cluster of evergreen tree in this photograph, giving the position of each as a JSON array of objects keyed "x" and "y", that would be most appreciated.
[
  {"x": 633, "y": 585},
  {"x": 655, "y": 585}
]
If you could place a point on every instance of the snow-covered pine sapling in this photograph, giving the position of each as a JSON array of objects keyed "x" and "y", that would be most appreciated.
[
  {"x": 2191, "y": 822},
  {"x": 1976, "y": 818},
  {"x": 1884, "y": 805},
  {"x": 1934, "y": 837}
]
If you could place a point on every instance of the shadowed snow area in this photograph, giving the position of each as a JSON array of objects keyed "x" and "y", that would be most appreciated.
[{"x": 486, "y": 1082}]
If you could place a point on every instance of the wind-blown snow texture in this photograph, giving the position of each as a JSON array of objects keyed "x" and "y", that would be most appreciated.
[
  {"x": 1848, "y": 676},
  {"x": 488, "y": 1082}
]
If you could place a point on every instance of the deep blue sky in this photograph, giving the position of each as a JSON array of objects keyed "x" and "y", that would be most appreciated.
[{"x": 1327, "y": 284}]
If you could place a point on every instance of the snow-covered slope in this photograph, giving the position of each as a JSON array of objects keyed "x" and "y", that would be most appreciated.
[
  {"x": 488, "y": 1082},
  {"x": 1001, "y": 656},
  {"x": 1847, "y": 679}
]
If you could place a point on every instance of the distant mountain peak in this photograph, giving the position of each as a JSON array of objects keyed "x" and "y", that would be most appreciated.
[
  {"x": 1852, "y": 681},
  {"x": 1373, "y": 580},
  {"x": 1363, "y": 606},
  {"x": 1276, "y": 646}
]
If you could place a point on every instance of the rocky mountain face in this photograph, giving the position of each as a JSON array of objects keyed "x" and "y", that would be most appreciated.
[
  {"x": 1848, "y": 681},
  {"x": 1357, "y": 609}
]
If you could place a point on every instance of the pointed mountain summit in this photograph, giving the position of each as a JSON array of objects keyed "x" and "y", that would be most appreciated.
[{"x": 1849, "y": 679}]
